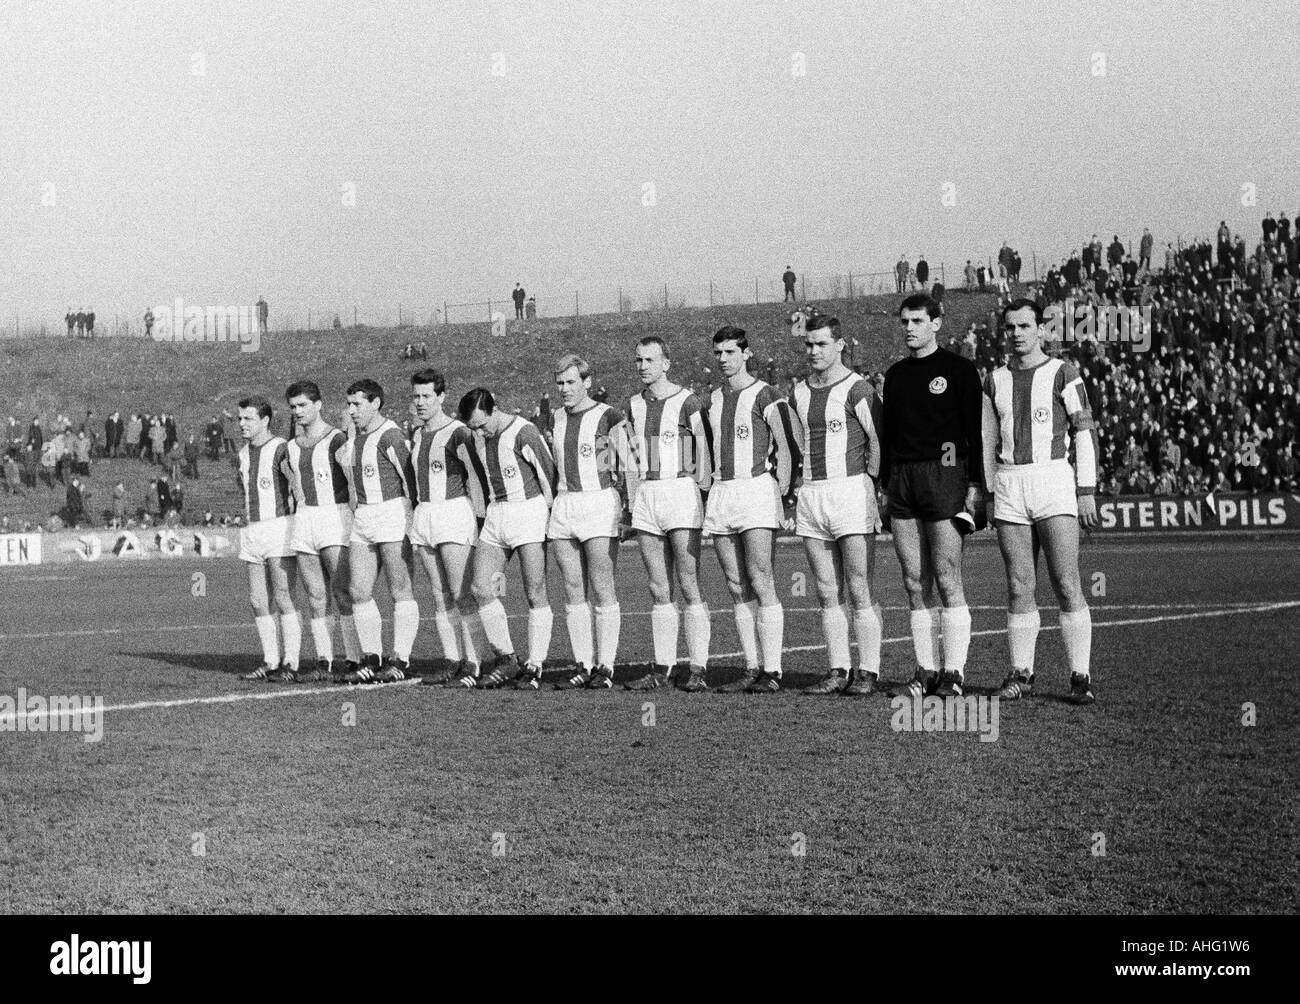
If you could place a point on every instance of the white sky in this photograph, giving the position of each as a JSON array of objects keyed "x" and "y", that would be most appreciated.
[{"x": 222, "y": 187}]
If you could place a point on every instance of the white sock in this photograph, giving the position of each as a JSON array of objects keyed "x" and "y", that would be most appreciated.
[
  {"x": 923, "y": 638},
  {"x": 496, "y": 628},
  {"x": 699, "y": 632},
  {"x": 1022, "y": 637},
  {"x": 270, "y": 640},
  {"x": 771, "y": 633},
  {"x": 370, "y": 627},
  {"x": 540, "y": 620},
  {"x": 747, "y": 628},
  {"x": 472, "y": 638},
  {"x": 406, "y": 625},
  {"x": 322, "y": 637},
  {"x": 836, "y": 628},
  {"x": 663, "y": 626},
  {"x": 609, "y": 620},
  {"x": 936, "y": 635},
  {"x": 867, "y": 625},
  {"x": 291, "y": 630},
  {"x": 447, "y": 623},
  {"x": 351, "y": 643},
  {"x": 956, "y": 637},
  {"x": 578, "y": 618},
  {"x": 1076, "y": 631}
]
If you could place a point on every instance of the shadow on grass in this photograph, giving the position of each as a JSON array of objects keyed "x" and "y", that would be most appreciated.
[{"x": 221, "y": 662}]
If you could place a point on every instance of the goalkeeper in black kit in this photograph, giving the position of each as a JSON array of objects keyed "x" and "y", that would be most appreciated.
[{"x": 931, "y": 470}]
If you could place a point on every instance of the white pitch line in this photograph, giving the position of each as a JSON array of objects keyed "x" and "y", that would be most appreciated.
[
  {"x": 713, "y": 612},
  {"x": 297, "y": 692}
]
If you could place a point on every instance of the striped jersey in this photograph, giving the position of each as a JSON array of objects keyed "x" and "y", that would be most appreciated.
[
  {"x": 447, "y": 466},
  {"x": 518, "y": 462},
  {"x": 1028, "y": 413},
  {"x": 668, "y": 437},
  {"x": 584, "y": 453},
  {"x": 266, "y": 486},
  {"x": 381, "y": 465},
  {"x": 840, "y": 423},
  {"x": 752, "y": 431},
  {"x": 316, "y": 471}
]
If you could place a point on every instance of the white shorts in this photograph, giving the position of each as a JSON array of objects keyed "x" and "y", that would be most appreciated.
[
  {"x": 835, "y": 508},
  {"x": 671, "y": 504},
  {"x": 510, "y": 524},
  {"x": 316, "y": 527},
  {"x": 1026, "y": 493},
  {"x": 744, "y": 504},
  {"x": 584, "y": 515},
  {"x": 448, "y": 522},
  {"x": 381, "y": 522},
  {"x": 267, "y": 538}
]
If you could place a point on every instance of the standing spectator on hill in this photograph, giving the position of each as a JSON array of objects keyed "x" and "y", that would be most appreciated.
[
  {"x": 788, "y": 279},
  {"x": 75, "y": 503},
  {"x": 119, "y": 506},
  {"x": 81, "y": 453},
  {"x": 112, "y": 434},
  {"x": 1269, "y": 227},
  {"x": 1115, "y": 253},
  {"x": 192, "y": 456},
  {"x": 79, "y": 318},
  {"x": 518, "y": 296},
  {"x": 148, "y": 322},
  {"x": 134, "y": 434},
  {"x": 970, "y": 277},
  {"x": 164, "y": 493},
  {"x": 901, "y": 271},
  {"x": 48, "y": 462},
  {"x": 981, "y": 274},
  {"x": 31, "y": 466},
  {"x": 530, "y": 312},
  {"x": 71, "y": 320},
  {"x": 90, "y": 324},
  {"x": 263, "y": 312},
  {"x": 62, "y": 456},
  {"x": 212, "y": 437},
  {"x": 1144, "y": 259},
  {"x": 174, "y": 465},
  {"x": 228, "y": 428},
  {"x": 178, "y": 500},
  {"x": 157, "y": 441},
  {"x": 922, "y": 275},
  {"x": 13, "y": 435},
  {"x": 169, "y": 427},
  {"x": 13, "y": 476},
  {"x": 35, "y": 435}
]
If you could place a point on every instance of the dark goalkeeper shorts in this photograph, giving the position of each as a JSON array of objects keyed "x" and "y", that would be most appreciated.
[{"x": 928, "y": 490}]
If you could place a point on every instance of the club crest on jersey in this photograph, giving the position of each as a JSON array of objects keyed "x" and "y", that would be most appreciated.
[
  {"x": 264, "y": 483},
  {"x": 587, "y": 450},
  {"x": 742, "y": 432},
  {"x": 508, "y": 472},
  {"x": 1041, "y": 414},
  {"x": 436, "y": 466},
  {"x": 668, "y": 435},
  {"x": 322, "y": 475},
  {"x": 835, "y": 425},
  {"x": 369, "y": 470},
  {"x": 938, "y": 385}
]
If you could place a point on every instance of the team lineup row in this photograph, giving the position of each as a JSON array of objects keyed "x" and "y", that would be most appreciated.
[{"x": 934, "y": 459}]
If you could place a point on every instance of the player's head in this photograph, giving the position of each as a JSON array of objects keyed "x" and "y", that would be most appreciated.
[
  {"x": 1022, "y": 320},
  {"x": 920, "y": 318},
  {"x": 365, "y": 400},
  {"x": 304, "y": 402},
  {"x": 731, "y": 350},
  {"x": 428, "y": 389},
  {"x": 478, "y": 410},
  {"x": 823, "y": 342},
  {"x": 572, "y": 379},
  {"x": 254, "y": 416},
  {"x": 652, "y": 360}
]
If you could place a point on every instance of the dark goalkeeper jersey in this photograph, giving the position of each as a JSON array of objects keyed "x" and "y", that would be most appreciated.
[{"x": 932, "y": 410}]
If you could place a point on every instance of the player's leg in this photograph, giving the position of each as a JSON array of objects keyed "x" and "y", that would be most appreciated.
[
  {"x": 1019, "y": 554},
  {"x": 685, "y": 545},
  {"x": 395, "y": 559},
  {"x": 487, "y": 585},
  {"x": 444, "y": 608},
  {"x": 532, "y": 569},
  {"x": 744, "y": 604},
  {"x": 601, "y": 554},
  {"x": 827, "y": 571},
  {"x": 759, "y": 548},
  {"x": 946, "y": 546},
  {"x": 457, "y": 563},
  {"x": 259, "y": 599},
  {"x": 913, "y": 551},
  {"x": 1060, "y": 536},
  {"x": 312, "y": 574},
  {"x": 858, "y": 558},
  {"x": 364, "y": 569},
  {"x": 568, "y": 554},
  {"x": 337, "y": 562},
  {"x": 281, "y": 574},
  {"x": 663, "y": 614}
]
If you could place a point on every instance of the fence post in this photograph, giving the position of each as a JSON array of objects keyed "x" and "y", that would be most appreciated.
[
  {"x": 354, "y": 315},
  {"x": 665, "y": 296},
  {"x": 576, "y": 311},
  {"x": 489, "y": 303},
  {"x": 619, "y": 308},
  {"x": 710, "y": 292},
  {"x": 446, "y": 321},
  {"x": 755, "y": 291},
  {"x": 803, "y": 288},
  {"x": 1035, "y": 254},
  {"x": 309, "y": 320},
  {"x": 399, "y": 315}
]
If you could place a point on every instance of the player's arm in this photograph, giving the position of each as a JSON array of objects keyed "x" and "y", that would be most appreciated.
[
  {"x": 700, "y": 437},
  {"x": 632, "y": 460},
  {"x": 991, "y": 432},
  {"x": 610, "y": 451},
  {"x": 534, "y": 452},
  {"x": 971, "y": 402},
  {"x": 397, "y": 453},
  {"x": 282, "y": 469},
  {"x": 476, "y": 479},
  {"x": 1083, "y": 434},
  {"x": 787, "y": 434},
  {"x": 888, "y": 421}
]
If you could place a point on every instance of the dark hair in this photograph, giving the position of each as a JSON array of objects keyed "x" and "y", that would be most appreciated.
[
  {"x": 818, "y": 321},
  {"x": 478, "y": 399},
  {"x": 367, "y": 387},
  {"x": 731, "y": 333},
  {"x": 920, "y": 301},
  {"x": 649, "y": 340},
  {"x": 430, "y": 376},
  {"x": 303, "y": 388},
  {"x": 1024, "y": 303},
  {"x": 262, "y": 405}
]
